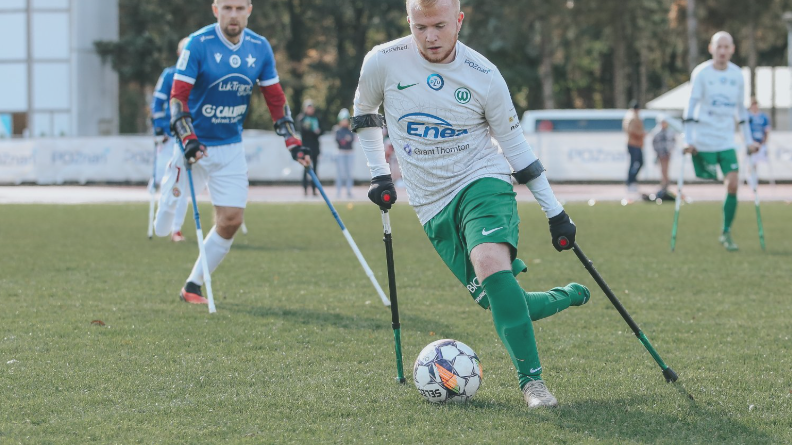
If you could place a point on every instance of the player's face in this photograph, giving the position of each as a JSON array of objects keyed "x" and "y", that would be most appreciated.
[
  {"x": 722, "y": 50},
  {"x": 436, "y": 30},
  {"x": 754, "y": 107},
  {"x": 232, "y": 15}
]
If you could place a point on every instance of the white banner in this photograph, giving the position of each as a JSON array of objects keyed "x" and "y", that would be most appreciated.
[
  {"x": 604, "y": 157},
  {"x": 567, "y": 157}
]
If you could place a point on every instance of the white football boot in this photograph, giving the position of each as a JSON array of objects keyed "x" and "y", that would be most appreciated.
[{"x": 537, "y": 395}]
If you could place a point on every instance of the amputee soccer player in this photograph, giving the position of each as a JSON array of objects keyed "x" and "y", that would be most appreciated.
[
  {"x": 716, "y": 101},
  {"x": 443, "y": 102},
  {"x": 215, "y": 77},
  {"x": 170, "y": 160}
]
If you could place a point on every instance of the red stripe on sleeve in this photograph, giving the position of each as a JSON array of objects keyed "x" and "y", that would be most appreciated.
[
  {"x": 181, "y": 90},
  {"x": 275, "y": 98}
]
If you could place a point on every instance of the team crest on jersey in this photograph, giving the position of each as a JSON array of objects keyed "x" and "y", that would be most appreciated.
[
  {"x": 218, "y": 57},
  {"x": 435, "y": 81},
  {"x": 235, "y": 61},
  {"x": 176, "y": 192},
  {"x": 462, "y": 95}
]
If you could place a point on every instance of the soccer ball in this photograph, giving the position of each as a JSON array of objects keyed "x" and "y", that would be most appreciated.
[{"x": 447, "y": 370}]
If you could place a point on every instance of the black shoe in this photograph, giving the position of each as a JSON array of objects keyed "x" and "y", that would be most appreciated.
[{"x": 191, "y": 293}]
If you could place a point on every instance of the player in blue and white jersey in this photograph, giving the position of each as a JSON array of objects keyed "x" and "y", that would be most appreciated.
[
  {"x": 760, "y": 130},
  {"x": 215, "y": 76},
  {"x": 169, "y": 151}
]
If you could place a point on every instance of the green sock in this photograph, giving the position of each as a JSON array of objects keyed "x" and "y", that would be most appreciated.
[
  {"x": 513, "y": 323},
  {"x": 544, "y": 304},
  {"x": 729, "y": 209}
]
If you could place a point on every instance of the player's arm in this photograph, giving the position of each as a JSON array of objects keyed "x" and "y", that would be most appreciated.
[
  {"x": 745, "y": 125},
  {"x": 270, "y": 86},
  {"x": 284, "y": 123},
  {"x": 766, "y": 131},
  {"x": 158, "y": 105},
  {"x": 505, "y": 127},
  {"x": 689, "y": 116},
  {"x": 187, "y": 69},
  {"x": 368, "y": 124}
]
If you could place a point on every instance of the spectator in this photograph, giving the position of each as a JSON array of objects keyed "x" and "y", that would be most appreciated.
[
  {"x": 663, "y": 143},
  {"x": 310, "y": 130},
  {"x": 634, "y": 128},
  {"x": 344, "y": 160}
]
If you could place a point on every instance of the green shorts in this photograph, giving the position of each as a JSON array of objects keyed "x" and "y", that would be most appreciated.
[
  {"x": 483, "y": 212},
  {"x": 706, "y": 163}
]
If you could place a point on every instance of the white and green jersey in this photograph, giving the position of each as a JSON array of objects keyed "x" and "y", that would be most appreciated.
[
  {"x": 443, "y": 121},
  {"x": 716, "y": 103}
]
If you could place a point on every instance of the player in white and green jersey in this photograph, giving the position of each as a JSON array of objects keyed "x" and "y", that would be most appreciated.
[
  {"x": 458, "y": 140},
  {"x": 716, "y": 101}
]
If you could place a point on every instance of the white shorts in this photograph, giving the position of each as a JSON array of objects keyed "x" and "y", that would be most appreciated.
[
  {"x": 224, "y": 170},
  {"x": 163, "y": 157},
  {"x": 760, "y": 156}
]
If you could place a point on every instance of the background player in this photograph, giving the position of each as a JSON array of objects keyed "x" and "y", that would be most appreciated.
[
  {"x": 716, "y": 99},
  {"x": 169, "y": 151},
  {"x": 443, "y": 103},
  {"x": 215, "y": 77}
]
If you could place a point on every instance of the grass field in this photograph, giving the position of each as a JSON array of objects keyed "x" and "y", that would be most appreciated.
[{"x": 301, "y": 348}]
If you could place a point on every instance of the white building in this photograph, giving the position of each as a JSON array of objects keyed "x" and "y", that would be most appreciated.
[{"x": 52, "y": 81}]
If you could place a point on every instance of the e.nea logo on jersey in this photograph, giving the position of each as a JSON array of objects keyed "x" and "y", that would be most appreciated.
[{"x": 431, "y": 130}]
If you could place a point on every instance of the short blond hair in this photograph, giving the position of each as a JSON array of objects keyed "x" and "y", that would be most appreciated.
[
  {"x": 428, "y": 4},
  {"x": 214, "y": 2}
]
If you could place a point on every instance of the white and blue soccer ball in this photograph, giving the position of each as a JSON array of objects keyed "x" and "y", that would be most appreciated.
[{"x": 447, "y": 371}]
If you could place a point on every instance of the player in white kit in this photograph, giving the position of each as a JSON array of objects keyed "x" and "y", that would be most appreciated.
[
  {"x": 716, "y": 103},
  {"x": 444, "y": 103}
]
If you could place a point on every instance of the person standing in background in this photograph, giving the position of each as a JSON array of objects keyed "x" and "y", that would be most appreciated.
[
  {"x": 310, "y": 130},
  {"x": 633, "y": 126},
  {"x": 345, "y": 157},
  {"x": 663, "y": 143}
]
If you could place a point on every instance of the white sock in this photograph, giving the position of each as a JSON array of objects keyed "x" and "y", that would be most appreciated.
[{"x": 216, "y": 248}]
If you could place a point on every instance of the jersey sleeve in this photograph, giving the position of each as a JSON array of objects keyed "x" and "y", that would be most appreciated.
[
  {"x": 368, "y": 98},
  {"x": 742, "y": 114},
  {"x": 189, "y": 64},
  {"x": 690, "y": 115},
  {"x": 269, "y": 74},
  {"x": 505, "y": 124},
  {"x": 159, "y": 103},
  {"x": 371, "y": 88}
]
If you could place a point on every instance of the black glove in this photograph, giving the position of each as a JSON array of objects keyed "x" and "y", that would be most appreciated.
[
  {"x": 562, "y": 231},
  {"x": 382, "y": 191},
  {"x": 191, "y": 149},
  {"x": 297, "y": 150}
]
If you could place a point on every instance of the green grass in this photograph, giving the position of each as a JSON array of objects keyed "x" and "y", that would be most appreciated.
[{"x": 301, "y": 349}]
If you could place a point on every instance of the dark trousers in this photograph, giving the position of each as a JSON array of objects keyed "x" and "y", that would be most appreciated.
[
  {"x": 315, "y": 164},
  {"x": 636, "y": 162}
]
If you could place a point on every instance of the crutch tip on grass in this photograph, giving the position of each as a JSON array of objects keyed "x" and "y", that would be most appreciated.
[{"x": 670, "y": 375}]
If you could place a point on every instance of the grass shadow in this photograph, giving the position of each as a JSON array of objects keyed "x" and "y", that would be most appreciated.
[
  {"x": 339, "y": 320},
  {"x": 635, "y": 419}
]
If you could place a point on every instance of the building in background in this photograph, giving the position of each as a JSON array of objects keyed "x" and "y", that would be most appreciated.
[{"x": 52, "y": 81}]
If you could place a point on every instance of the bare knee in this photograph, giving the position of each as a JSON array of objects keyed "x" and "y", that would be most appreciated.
[
  {"x": 489, "y": 258},
  {"x": 228, "y": 221},
  {"x": 732, "y": 182}
]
